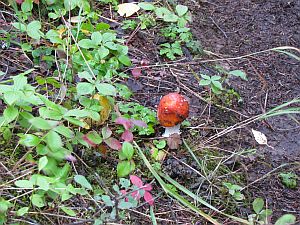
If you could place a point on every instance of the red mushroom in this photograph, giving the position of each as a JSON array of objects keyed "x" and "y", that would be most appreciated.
[{"x": 172, "y": 109}]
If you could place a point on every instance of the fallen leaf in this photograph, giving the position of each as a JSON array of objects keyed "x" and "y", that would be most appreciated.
[
  {"x": 128, "y": 9},
  {"x": 261, "y": 138},
  {"x": 174, "y": 141},
  {"x": 76, "y": 19},
  {"x": 136, "y": 72}
]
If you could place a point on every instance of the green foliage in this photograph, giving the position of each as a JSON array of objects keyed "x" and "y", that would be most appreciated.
[
  {"x": 289, "y": 179},
  {"x": 139, "y": 112},
  {"x": 213, "y": 82},
  {"x": 171, "y": 50},
  {"x": 234, "y": 191}
]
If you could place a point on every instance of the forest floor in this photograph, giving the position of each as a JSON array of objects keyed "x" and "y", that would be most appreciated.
[{"x": 234, "y": 36}]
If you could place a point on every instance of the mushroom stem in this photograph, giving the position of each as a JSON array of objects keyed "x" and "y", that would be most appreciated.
[{"x": 172, "y": 130}]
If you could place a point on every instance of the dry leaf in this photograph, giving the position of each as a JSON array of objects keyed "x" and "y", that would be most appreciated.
[
  {"x": 128, "y": 9},
  {"x": 260, "y": 138},
  {"x": 174, "y": 141},
  {"x": 76, "y": 19}
]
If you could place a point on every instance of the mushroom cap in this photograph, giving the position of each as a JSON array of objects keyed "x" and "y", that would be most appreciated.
[{"x": 172, "y": 109}]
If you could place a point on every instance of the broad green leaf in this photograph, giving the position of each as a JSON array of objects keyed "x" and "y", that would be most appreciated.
[
  {"x": 204, "y": 82},
  {"x": 54, "y": 140},
  {"x": 65, "y": 131},
  {"x": 217, "y": 84},
  {"x": 87, "y": 44},
  {"x": 37, "y": 200},
  {"x": 24, "y": 184},
  {"x": 54, "y": 37},
  {"x": 239, "y": 73},
  {"x": 107, "y": 200},
  {"x": 181, "y": 10},
  {"x": 286, "y": 219},
  {"x": 127, "y": 151},
  {"x": 42, "y": 162},
  {"x": 124, "y": 168},
  {"x": 27, "y": 6},
  {"x": 83, "y": 182},
  {"x": 10, "y": 113},
  {"x": 42, "y": 182},
  {"x": 42, "y": 124},
  {"x": 86, "y": 75},
  {"x": 146, "y": 6},
  {"x": 68, "y": 211},
  {"x": 33, "y": 29},
  {"x": 29, "y": 140},
  {"x": 22, "y": 211},
  {"x": 94, "y": 137},
  {"x": 84, "y": 88},
  {"x": 106, "y": 89},
  {"x": 103, "y": 52},
  {"x": 124, "y": 60},
  {"x": 20, "y": 26},
  {"x": 96, "y": 38},
  {"x": 258, "y": 205},
  {"x": 78, "y": 113}
]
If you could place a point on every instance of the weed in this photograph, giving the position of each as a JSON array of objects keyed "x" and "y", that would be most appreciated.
[{"x": 289, "y": 179}]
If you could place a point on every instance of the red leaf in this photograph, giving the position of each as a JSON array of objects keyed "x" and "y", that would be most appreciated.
[
  {"x": 139, "y": 123},
  {"x": 70, "y": 158},
  {"x": 124, "y": 192},
  {"x": 19, "y": 1},
  {"x": 148, "y": 198},
  {"x": 127, "y": 124},
  {"x": 136, "y": 181},
  {"x": 136, "y": 195},
  {"x": 87, "y": 140},
  {"x": 127, "y": 136},
  {"x": 136, "y": 72},
  {"x": 113, "y": 143},
  {"x": 147, "y": 187}
]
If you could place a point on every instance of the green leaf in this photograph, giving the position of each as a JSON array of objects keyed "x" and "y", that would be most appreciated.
[
  {"x": 106, "y": 89},
  {"x": 94, "y": 137},
  {"x": 68, "y": 133},
  {"x": 239, "y": 73},
  {"x": 264, "y": 214},
  {"x": 103, "y": 52},
  {"x": 124, "y": 60},
  {"x": 204, "y": 82},
  {"x": 24, "y": 184},
  {"x": 170, "y": 18},
  {"x": 42, "y": 182},
  {"x": 33, "y": 29},
  {"x": 86, "y": 75},
  {"x": 54, "y": 140},
  {"x": 206, "y": 77},
  {"x": 27, "y": 6},
  {"x": 42, "y": 124},
  {"x": 22, "y": 211},
  {"x": 124, "y": 168},
  {"x": 286, "y": 220},
  {"x": 68, "y": 211},
  {"x": 29, "y": 140},
  {"x": 83, "y": 182},
  {"x": 20, "y": 26},
  {"x": 107, "y": 200},
  {"x": 258, "y": 205},
  {"x": 87, "y": 44},
  {"x": 181, "y": 10},
  {"x": 42, "y": 162},
  {"x": 78, "y": 113},
  {"x": 146, "y": 6},
  {"x": 84, "y": 88},
  {"x": 54, "y": 37},
  {"x": 215, "y": 78},
  {"x": 127, "y": 151},
  {"x": 217, "y": 84},
  {"x": 96, "y": 38},
  {"x": 37, "y": 200},
  {"x": 10, "y": 113}
]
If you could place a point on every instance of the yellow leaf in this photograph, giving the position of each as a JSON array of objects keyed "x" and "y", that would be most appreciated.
[
  {"x": 106, "y": 108},
  {"x": 128, "y": 9}
]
